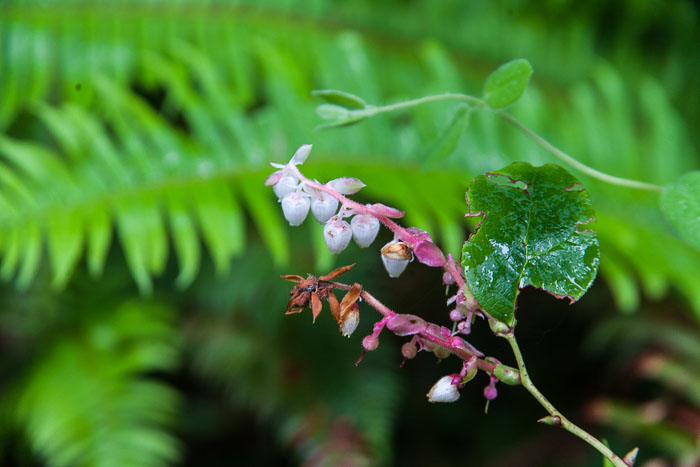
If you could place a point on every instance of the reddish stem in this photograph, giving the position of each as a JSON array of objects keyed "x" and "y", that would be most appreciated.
[{"x": 385, "y": 311}]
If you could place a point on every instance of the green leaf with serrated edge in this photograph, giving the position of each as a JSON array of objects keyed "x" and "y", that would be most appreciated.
[
  {"x": 505, "y": 85},
  {"x": 340, "y": 98},
  {"x": 680, "y": 203},
  {"x": 533, "y": 232},
  {"x": 448, "y": 139}
]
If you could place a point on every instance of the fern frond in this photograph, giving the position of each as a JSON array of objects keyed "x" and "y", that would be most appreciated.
[
  {"x": 87, "y": 402},
  {"x": 155, "y": 128}
]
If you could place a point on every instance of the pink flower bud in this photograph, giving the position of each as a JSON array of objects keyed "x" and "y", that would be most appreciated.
[
  {"x": 324, "y": 208},
  {"x": 490, "y": 392},
  {"x": 447, "y": 278},
  {"x": 370, "y": 343},
  {"x": 295, "y": 207},
  {"x": 456, "y": 315},
  {"x": 346, "y": 185},
  {"x": 396, "y": 256},
  {"x": 337, "y": 234},
  {"x": 273, "y": 178},
  {"x": 286, "y": 184},
  {"x": 364, "y": 229},
  {"x": 429, "y": 253},
  {"x": 443, "y": 390},
  {"x": 408, "y": 350}
]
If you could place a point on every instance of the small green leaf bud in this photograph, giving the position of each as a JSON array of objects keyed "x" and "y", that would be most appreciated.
[{"x": 507, "y": 375}]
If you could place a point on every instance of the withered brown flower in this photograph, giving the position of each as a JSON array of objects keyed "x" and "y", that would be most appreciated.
[{"x": 312, "y": 291}]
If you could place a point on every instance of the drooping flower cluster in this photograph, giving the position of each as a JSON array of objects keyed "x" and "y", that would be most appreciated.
[{"x": 329, "y": 206}]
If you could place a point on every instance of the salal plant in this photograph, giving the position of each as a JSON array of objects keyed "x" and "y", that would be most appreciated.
[{"x": 535, "y": 228}]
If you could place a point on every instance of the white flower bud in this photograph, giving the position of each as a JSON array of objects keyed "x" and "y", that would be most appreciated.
[
  {"x": 364, "y": 229},
  {"x": 443, "y": 391},
  {"x": 295, "y": 207},
  {"x": 350, "y": 320},
  {"x": 337, "y": 234},
  {"x": 396, "y": 255},
  {"x": 324, "y": 208},
  {"x": 284, "y": 185}
]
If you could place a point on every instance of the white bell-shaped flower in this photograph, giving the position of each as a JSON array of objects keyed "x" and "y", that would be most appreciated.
[
  {"x": 337, "y": 234},
  {"x": 443, "y": 390},
  {"x": 324, "y": 208},
  {"x": 396, "y": 255},
  {"x": 364, "y": 229},
  {"x": 285, "y": 185},
  {"x": 295, "y": 207}
]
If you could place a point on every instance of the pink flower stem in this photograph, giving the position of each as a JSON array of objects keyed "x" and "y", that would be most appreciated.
[{"x": 485, "y": 364}]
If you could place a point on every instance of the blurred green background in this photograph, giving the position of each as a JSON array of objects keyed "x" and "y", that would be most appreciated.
[{"x": 142, "y": 314}]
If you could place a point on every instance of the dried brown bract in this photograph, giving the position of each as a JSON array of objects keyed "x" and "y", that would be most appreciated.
[{"x": 312, "y": 291}]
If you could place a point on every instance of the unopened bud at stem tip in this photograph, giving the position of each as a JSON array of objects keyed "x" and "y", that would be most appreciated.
[
  {"x": 408, "y": 350},
  {"x": 490, "y": 392},
  {"x": 370, "y": 343}
]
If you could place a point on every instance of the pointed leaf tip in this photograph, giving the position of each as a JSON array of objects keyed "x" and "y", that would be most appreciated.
[{"x": 302, "y": 153}]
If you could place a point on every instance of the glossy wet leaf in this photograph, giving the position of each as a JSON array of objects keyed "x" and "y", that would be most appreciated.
[
  {"x": 533, "y": 232},
  {"x": 680, "y": 203},
  {"x": 505, "y": 85}
]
